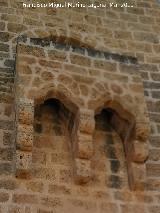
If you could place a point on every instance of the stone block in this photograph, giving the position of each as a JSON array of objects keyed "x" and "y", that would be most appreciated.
[
  {"x": 4, "y": 36},
  {"x": 128, "y": 208},
  {"x": 6, "y": 169},
  {"x": 4, "y": 47},
  {"x": 65, "y": 176},
  {"x": 32, "y": 22},
  {"x": 24, "y": 198},
  {"x": 23, "y": 164},
  {"x": 4, "y": 197},
  {"x": 154, "y": 155},
  {"x": 6, "y": 154},
  {"x": 83, "y": 171},
  {"x": 16, "y": 28},
  {"x": 24, "y": 69},
  {"x": 139, "y": 151},
  {"x": 6, "y": 125},
  {"x": 24, "y": 137},
  {"x": 136, "y": 175},
  {"x": 8, "y": 184},
  {"x": 57, "y": 55},
  {"x": 44, "y": 173},
  {"x": 59, "y": 189},
  {"x": 153, "y": 169},
  {"x": 142, "y": 131},
  {"x": 26, "y": 113},
  {"x": 108, "y": 207},
  {"x": 29, "y": 50},
  {"x": 7, "y": 139},
  {"x": 154, "y": 209},
  {"x": 84, "y": 149},
  {"x": 146, "y": 37},
  {"x": 34, "y": 186},
  {"x": 80, "y": 60},
  {"x": 107, "y": 66},
  {"x": 86, "y": 121},
  {"x": 50, "y": 64},
  {"x": 2, "y": 26},
  {"x": 52, "y": 202},
  {"x": 123, "y": 35}
]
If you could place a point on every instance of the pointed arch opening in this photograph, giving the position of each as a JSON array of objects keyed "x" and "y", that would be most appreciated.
[{"x": 115, "y": 139}]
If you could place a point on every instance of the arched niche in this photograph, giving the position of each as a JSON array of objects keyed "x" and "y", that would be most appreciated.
[
  {"x": 52, "y": 144},
  {"x": 52, "y": 118},
  {"x": 116, "y": 120},
  {"x": 39, "y": 121},
  {"x": 109, "y": 161}
]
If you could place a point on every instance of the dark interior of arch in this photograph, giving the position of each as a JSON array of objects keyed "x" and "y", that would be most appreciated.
[
  {"x": 110, "y": 157},
  {"x": 52, "y": 144},
  {"x": 110, "y": 119},
  {"x": 52, "y": 117}
]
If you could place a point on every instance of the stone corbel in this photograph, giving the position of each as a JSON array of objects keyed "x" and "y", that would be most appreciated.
[
  {"x": 83, "y": 151},
  {"x": 24, "y": 139}
]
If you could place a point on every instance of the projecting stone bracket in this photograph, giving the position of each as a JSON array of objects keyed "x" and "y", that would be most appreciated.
[
  {"x": 24, "y": 139},
  {"x": 139, "y": 151}
]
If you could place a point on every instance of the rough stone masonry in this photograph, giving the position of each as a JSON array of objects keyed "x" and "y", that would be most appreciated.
[{"x": 80, "y": 108}]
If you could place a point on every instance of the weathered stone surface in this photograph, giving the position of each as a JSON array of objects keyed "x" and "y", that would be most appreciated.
[
  {"x": 44, "y": 173},
  {"x": 4, "y": 47},
  {"x": 83, "y": 171},
  {"x": 8, "y": 184},
  {"x": 6, "y": 125},
  {"x": 84, "y": 149},
  {"x": 4, "y": 197},
  {"x": 25, "y": 113},
  {"x": 137, "y": 175},
  {"x": 7, "y": 139},
  {"x": 24, "y": 137},
  {"x": 6, "y": 154},
  {"x": 86, "y": 121},
  {"x": 140, "y": 151},
  {"x": 147, "y": 37},
  {"x": 59, "y": 189},
  {"x": 23, "y": 164},
  {"x": 24, "y": 198},
  {"x": 108, "y": 66},
  {"x": 83, "y": 58},
  {"x": 4, "y": 36},
  {"x": 142, "y": 131},
  {"x": 110, "y": 207},
  {"x": 6, "y": 169},
  {"x": 34, "y": 186},
  {"x": 80, "y": 60},
  {"x": 9, "y": 63},
  {"x": 29, "y": 50},
  {"x": 24, "y": 69},
  {"x": 16, "y": 28},
  {"x": 153, "y": 170},
  {"x": 154, "y": 154},
  {"x": 57, "y": 55}
]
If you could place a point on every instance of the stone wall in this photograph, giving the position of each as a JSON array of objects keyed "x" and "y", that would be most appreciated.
[{"x": 117, "y": 32}]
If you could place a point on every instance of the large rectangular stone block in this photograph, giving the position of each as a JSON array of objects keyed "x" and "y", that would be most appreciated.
[
  {"x": 23, "y": 164},
  {"x": 24, "y": 137}
]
